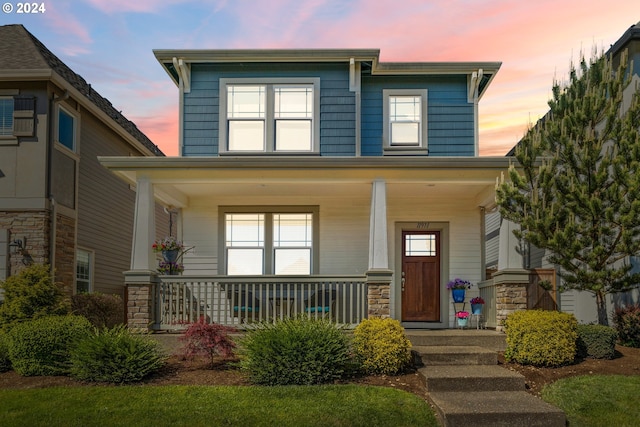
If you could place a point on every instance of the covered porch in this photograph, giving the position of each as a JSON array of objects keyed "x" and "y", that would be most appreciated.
[{"x": 365, "y": 212}]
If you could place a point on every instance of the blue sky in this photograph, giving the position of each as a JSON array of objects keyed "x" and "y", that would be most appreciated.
[{"x": 110, "y": 43}]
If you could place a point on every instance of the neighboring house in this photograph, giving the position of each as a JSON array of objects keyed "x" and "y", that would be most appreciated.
[
  {"x": 58, "y": 205},
  {"x": 581, "y": 304},
  {"x": 305, "y": 171}
]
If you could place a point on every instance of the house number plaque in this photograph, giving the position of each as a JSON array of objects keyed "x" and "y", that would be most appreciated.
[{"x": 422, "y": 225}]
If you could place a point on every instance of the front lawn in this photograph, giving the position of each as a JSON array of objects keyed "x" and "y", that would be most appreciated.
[
  {"x": 597, "y": 400},
  {"x": 344, "y": 405}
]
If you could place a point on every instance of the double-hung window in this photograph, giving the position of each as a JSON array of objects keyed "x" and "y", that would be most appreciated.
[
  {"x": 66, "y": 128},
  {"x": 405, "y": 123},
  {"x": 273, "y": 116},
  {"x": 6, "y": 116},
  {"x": 270, "y": 242},
  {"x": 84, "y": 271}
]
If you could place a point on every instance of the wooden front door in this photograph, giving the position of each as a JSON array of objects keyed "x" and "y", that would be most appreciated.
[{"x": 420, "y": 276}]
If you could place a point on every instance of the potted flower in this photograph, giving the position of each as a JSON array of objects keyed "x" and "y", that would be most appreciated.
[
  {"x": 167, "y": 267},
  {"x": 169, "y": 247},
  {"x": 458, "y": 288},
  {"x": 463, "y": 318},
  {"x": 476, "y": 305}
]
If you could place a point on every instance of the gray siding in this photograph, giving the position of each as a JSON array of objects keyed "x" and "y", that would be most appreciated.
[
  {"x": 201, "y": 105},
  {"x": 449, "y": 115},
  {"x": 106, "y": 207}
]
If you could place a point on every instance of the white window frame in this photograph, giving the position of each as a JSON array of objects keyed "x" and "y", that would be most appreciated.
[
  {"x": 270, "y": 142},
  {"x": 91, "y": 270},
  {"x": 76, "y": 127},
  {"x": 422, "y": 146},
  {"x": 269, "y": 248},
  {"x": 10, "y": 134}
]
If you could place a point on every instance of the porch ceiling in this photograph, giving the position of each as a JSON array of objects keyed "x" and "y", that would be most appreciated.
[{"x": 177, "y": 180}]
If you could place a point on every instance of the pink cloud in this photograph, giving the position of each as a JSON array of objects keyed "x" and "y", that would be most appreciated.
[
  {"x": 161, "y": 126},
  {"x": 125, "y": 6},
  {"x": 75, "y": 35}
]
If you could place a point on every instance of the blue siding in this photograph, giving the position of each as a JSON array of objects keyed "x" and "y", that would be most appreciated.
[
  {"x": 449, "y": 115},
  {"x": 201, "y": 105}
]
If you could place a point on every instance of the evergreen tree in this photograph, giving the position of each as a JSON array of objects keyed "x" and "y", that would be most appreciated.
[{"x": 576, "y": 192}]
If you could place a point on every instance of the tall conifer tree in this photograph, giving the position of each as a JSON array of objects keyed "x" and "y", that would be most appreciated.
[{"x": 576, "y": 191}]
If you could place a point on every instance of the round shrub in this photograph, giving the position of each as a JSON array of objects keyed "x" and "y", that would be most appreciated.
[
  {"x": 102, "y": 310},
  {"x": 596, "y": 341},
  {"x": 41, "y": 346},
  {"x": 116, "y": 356},
  {"x": 5, "y": 363},
  {"x": 381, "y": 347},
  {"x": 31, "y": 294},
  {"x": 302, "y": 351},
  {"x": 541, "y": 338},
  {"x": 627, "y": 324}
]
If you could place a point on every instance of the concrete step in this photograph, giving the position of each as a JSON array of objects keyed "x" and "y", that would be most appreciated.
[
  {"x": 482, "y": 338},
  {"x": 456, "y": 355},
  {"x": 495, "y": 408},
  {"x": 470, "y": 378}
]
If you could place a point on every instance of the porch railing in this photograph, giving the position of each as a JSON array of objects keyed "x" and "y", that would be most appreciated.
[
  {"x": 242, "y": 300},
  {"x": 488, "y": 293}
]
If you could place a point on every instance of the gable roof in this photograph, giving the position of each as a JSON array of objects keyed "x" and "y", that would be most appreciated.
[
  {"x": 24, "y": 57},
  {"x": 372, "y": 56}
]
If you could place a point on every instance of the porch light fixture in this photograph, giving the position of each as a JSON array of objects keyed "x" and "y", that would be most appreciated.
[{"x": 16, "y": 246}]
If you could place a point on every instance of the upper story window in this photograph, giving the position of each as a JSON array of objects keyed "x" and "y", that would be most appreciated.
[
  {"x": 269, "y": 116},
  {"x": 67, "y": 128},
  {"x": 405, "y": 121},
  {"x": 6, "y": 116}
]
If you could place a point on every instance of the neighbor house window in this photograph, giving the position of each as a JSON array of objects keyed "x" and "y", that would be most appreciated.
[
  {"x": 66, "y": 129},
  {"x": 6, "y": 116},
  {"x": 405, "y": 123},
  {"x": 272, "y": 116},
  {"x": 84, "y": 271},
  {"x": 274, "y": 242}
]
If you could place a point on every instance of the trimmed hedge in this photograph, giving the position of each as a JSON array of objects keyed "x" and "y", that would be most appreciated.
[
  {"x": 116, "y": 356},
  {"x": 541, "y": 338},
  {"x": 41, "y": 346},
  {"x": 381, "y": 347},
  {"x": 299, "y": 351},
  {"x": 596, "y": 341}
]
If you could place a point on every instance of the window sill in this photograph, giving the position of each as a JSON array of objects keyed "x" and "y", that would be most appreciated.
[
  {"x": 406, "y": 151},
  {"x": 267, "y": 154},
  {"x": 8, "y": 140}
]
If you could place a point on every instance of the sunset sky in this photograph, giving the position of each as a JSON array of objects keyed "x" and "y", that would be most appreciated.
[{"x": 110, "y": 43}]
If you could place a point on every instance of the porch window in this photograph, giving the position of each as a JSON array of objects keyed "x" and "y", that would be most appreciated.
[
  {"x": 405, "y": 124},
  {"x": 276, "y": 115},
  {"x": 84, "y": 271},
  {"x": 269, "y": 243}
]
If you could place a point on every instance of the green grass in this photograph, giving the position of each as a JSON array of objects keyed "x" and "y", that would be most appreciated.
[
  {"x": 344, "y": 405},
  {"x": 597, "y": 400}
]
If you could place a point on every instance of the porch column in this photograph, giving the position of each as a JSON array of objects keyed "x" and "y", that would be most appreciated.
[
  {"x": 140, "y": 281},
  {"x": 511, "y": 279},
  {"x": 144, "y": 227},
  {"x": 379, "y": 275}
]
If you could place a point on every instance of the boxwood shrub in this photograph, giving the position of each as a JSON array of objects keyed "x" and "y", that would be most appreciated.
[
  {"x": 541, "y": 338},
  {"x": 5, "y": 363},
  {"x": 596, "y": 341},
  {"x": 300, "y": 351},
  {"x": 627, "y": 324},
  {"x": 102, "y": 310},
  {"x": 41, "y": 346},
  {"x": 381, "y": 347},
  {"x": 115, "y": 355}
]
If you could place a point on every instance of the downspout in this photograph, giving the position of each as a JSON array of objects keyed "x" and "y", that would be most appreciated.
[
  {"x": 184, "y": 86},
  {"x": 355, "y": 86},
  {"x": 472, "y": 96},
  {"x": 55, "y": 100}
]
